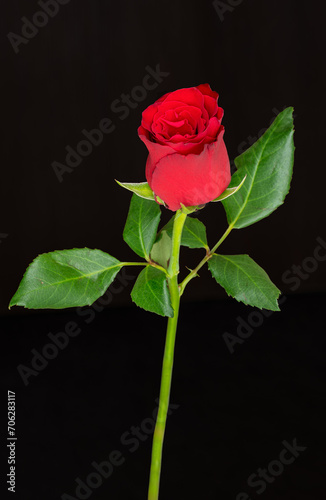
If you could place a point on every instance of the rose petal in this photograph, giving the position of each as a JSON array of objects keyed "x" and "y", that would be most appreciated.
[
  {"x": 220, "y": 114},
  {"x": 205, "y": 89},
  {"x": 178, "y": 121},
  {"x": 148, "y": 115},
  {"x": 156, "y": 152},
  {"x": 196, "y": 143},
  {"x": 191, "y": 96},
  {"x": 213, "y": 128},
  {"x": 211, "y": 105},
  {"x": 181, "y": 127},
  {"x": 192, "y": 179}
]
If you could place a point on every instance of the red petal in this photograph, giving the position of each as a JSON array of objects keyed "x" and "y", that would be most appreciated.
[
  {"x": 156, "y": 152},
  {"x": 211, "y": 105},
  {"x": 205, "y": 89},
  {"x": 189, "y": 96},
  {"x": 192, "y": 179},
  {"x": 148, "y": 115}
]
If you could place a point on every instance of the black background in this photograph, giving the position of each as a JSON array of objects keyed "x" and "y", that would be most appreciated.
[{"x": 235, "y": 409}]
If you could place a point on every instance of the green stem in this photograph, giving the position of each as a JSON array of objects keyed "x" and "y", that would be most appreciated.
[
  {"x": 155, "y": 472},
  {"x": 209, "y": 254}
]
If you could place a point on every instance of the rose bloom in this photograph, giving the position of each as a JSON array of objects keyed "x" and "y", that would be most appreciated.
[{"x": 187, "y": 162}]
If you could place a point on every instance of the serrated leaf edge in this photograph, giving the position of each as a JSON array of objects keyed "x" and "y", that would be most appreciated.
[{"x": 246, "y": 303}]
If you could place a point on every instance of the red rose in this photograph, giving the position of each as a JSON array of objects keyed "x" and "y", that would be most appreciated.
[{"x": 188, "y": 162}]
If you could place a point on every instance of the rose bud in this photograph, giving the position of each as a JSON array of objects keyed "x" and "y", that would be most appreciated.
[{"x": 187, "y": 162}]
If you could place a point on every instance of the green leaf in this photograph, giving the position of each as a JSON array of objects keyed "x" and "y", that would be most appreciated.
[
  {"x": 151, "y": 292},
  {"x": 141, "y": 226},
  {"x": 141, "y": 189},
  {"x": 193, "y": 233},
  {"x": 268, "y": 165},
  {"x": 66, "y": 278},
  {"x": 162, "y": 249},
  {"x": 230, "y": 191},
  {"x": 244, "y": 280}
]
